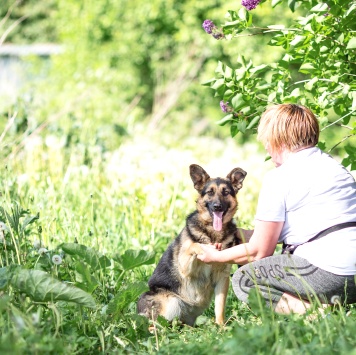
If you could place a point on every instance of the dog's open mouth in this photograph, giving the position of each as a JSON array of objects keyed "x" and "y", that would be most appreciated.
[{"x": 217, "y": 220}]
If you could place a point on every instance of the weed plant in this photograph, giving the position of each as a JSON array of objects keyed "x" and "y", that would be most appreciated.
[{"x": 80, "y": 234}]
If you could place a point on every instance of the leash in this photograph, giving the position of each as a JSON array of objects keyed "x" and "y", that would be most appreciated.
[{"x": 290, "y": 248}]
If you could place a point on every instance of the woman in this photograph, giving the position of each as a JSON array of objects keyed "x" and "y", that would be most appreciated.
[{"x": 307, "y": 193}]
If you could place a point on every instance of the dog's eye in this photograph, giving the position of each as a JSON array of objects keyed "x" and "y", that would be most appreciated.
[
  {"x": 225, "y": 192},
  {"x": 210, "y": 193}
]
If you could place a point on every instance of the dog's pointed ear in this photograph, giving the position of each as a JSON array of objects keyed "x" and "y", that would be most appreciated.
[
  {"x": 236, "y": 177},
  {"x": 199, "y": 176}
]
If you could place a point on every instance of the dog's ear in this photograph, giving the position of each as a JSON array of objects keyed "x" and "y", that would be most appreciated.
[
  {"x": 236, "y": 177},
  {"x": 199, "y": 176}
]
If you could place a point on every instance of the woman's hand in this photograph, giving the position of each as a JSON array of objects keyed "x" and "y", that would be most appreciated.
[
  {"x": 210, "y": 253},
  {"x": 262, "y": 243}
]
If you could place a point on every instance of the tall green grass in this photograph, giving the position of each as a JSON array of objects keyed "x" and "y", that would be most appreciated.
[{"x": 109, "y": 216}]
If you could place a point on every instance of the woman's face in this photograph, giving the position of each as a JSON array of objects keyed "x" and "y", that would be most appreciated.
[{"x": 277, "y": 157}]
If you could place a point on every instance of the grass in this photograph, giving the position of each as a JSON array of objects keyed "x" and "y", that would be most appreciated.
[{"x": 109, "y": 216}]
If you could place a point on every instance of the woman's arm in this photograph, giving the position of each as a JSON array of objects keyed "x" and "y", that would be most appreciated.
[{"x": 262, "y": 243}]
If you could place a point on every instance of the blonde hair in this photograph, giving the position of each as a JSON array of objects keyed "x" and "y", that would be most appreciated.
[{"x": 288, "y": 126}]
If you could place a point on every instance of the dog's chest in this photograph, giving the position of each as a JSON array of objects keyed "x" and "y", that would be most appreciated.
[
  {"x": 199, "y": 286},
  {"x": 211, "y": 274}
]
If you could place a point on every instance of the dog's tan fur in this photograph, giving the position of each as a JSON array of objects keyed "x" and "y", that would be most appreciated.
[{"x": 182, "y": 286}]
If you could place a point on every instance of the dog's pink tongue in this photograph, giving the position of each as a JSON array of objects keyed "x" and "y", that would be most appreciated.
[{"x": 217, "y": 222}]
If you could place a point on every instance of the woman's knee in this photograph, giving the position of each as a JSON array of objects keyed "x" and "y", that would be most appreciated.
[
  {"x": 241, "y": 284},
  {"x": 247, "y": 278}
]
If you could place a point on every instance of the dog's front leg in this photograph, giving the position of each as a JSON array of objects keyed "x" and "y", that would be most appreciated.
[
  {"x": 221, "y": 290},
  {"x": 188, "y": 257}
]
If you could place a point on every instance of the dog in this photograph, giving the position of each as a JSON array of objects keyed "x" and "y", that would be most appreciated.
[{"x": 182, "y": 286}]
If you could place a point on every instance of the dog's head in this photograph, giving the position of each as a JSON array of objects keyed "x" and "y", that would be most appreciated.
[{"x": 217, "y": 202}]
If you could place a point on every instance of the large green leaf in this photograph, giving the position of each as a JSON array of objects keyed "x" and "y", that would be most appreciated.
[
  {"x": 320, "y": 8},
  {"x": 4, "y": 301},
  {"x": 225, "y": 119},
  {"x": 241, "y": 126},
  {"x": 41, "y": 287},
  {"x": 234, "y": 130},
  {"x": 5, "y": 276},
  {"x": 297, "y": 40},
  {"x": 352, "y": 43},
  {"x": 253, "y": 122},
  {"x": 259, "y": 69},
  {"x": 126, "y": 296},
  {"x": 274, "y": 3},
  {"x": 238, "y": 101},
  {"x": 84, "y": 277},
  {"x": 307, "y": 68},
  {"x": 134, "y": 258},
  {"x": 29, "y": 220},
  {"x": 83, "y": 253},
  {"x": 14, "y": 218},
  {"x": 218, "y": 84}
]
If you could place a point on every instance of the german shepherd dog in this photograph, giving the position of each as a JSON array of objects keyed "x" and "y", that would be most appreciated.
[{"x": 181, "y": 285}]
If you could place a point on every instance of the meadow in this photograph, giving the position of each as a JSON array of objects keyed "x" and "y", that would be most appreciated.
[{"x": 82, "y": 231}]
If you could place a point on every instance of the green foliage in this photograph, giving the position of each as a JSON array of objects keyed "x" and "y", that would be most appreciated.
[
  {"x": 295, "y": 336},
  {"x": 28, "y": 21},
  {"x": 42, "y": 282},
  {"x": 122, "y": 63},
  {"x": 88, "y": 255},
  {"x": 316, "y": 69},
  {"x": 41, "y": 287},
  {"x": 134, "y": 258},
  {"x": 125, "y": 67},
  {"x": 126, "y": 296},
  {"x": 84, "y": 301}
]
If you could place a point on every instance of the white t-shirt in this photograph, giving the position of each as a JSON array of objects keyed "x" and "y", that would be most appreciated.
[{"x": 310, "y": 192}]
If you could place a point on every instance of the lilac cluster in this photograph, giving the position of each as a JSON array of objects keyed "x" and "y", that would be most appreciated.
[
  {"x": 211, "y": 29},
  {"x": 250, "y": 4},
  {"x": 225, "y": 107},
  {"x": 208, "y": 26}
]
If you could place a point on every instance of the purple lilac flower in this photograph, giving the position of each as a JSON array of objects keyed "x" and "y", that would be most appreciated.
[
  {"x": 211, "y": 29},
  {"x": 225, "y": 106},
  {"x": 250, "y": 4},
  {"x": 208, "y": 26}
]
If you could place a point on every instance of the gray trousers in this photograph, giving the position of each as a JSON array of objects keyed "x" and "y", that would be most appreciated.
[{"x": 277, "y": 274}]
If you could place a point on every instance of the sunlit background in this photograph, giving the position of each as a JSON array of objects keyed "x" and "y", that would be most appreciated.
[{"x": 101, "y": 99}]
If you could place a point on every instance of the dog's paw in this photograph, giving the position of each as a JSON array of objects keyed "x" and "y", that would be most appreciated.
[{"x": 196, "y": 249}]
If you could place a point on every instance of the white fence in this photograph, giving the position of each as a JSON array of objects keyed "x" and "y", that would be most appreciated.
[{"x": 16, "y": 70}]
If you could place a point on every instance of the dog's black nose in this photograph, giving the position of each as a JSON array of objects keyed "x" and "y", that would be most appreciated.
[{"x": 217, "y": 207}]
